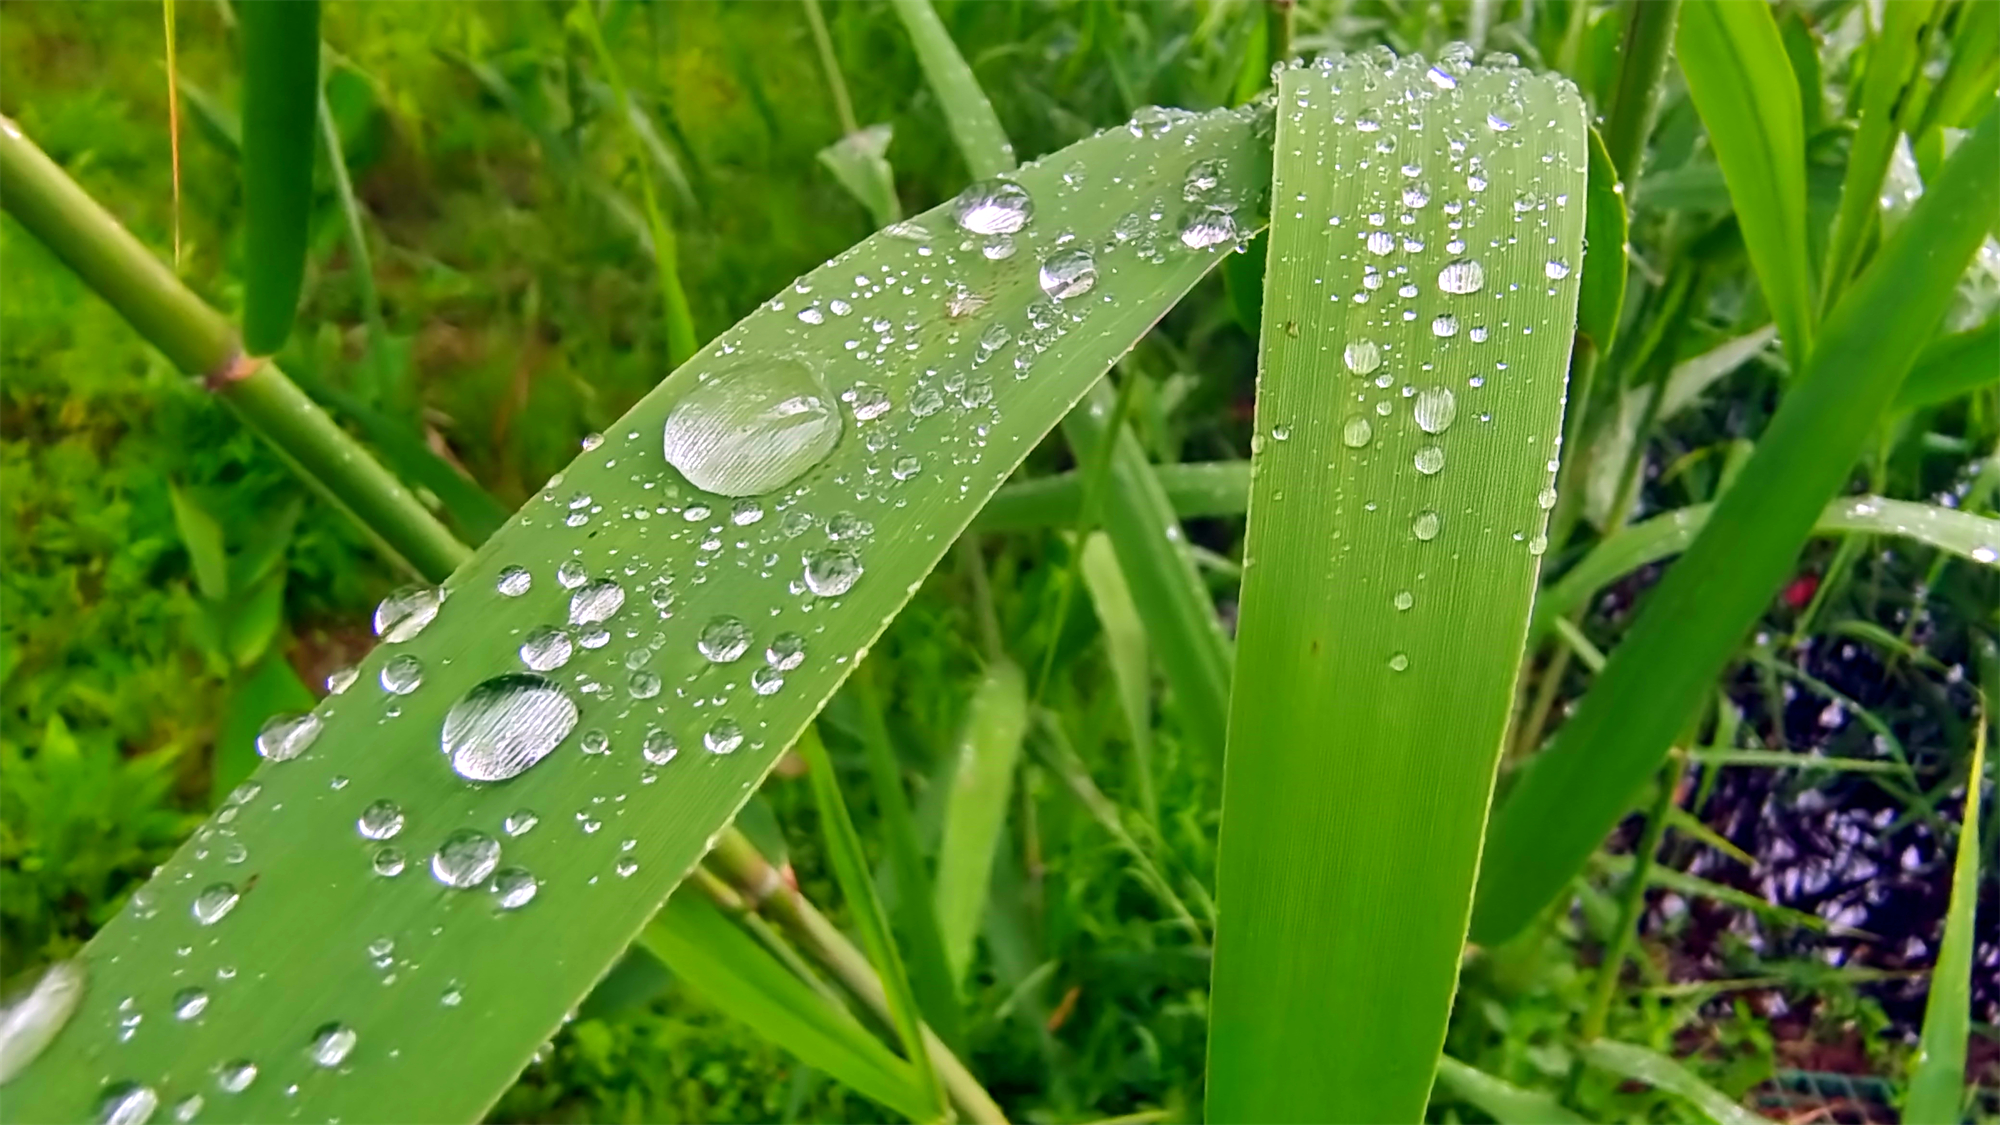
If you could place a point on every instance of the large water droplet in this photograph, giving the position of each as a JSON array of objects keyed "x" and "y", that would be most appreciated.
[
  {"x": 505, "y": 725},
  {"x": 331, "y": 1045},
  {"x": 465, "y": 859},
  {"x": 724, "y": 639},
  {"x": 1429, "y": 459},
  {"x": 546, "y": 649},
  {"x": 596, "y": 602},
  {"x": 1380, "y": 242},
  {"x": 214, "y": 903},
  {"x": 406, "y": 612},
  {"x": 753, "y": 428},
  {"x": 127, "y": 1103},
  {"x": 1462, "y": 277},
  {"x": 1068, "y": 273},
  {"x": 1206, "y": 227},
  {"x": 402, "y": 675},
  {"x": 235, "y": 1077},
  {"x": 1434, "y": 410},
  {"x": 381, "y": 820},
  {"x": 514, "y": 581},
  {"x": 1425, "y": 525},
  {"x": 1362, "y": 356},
  {"x": 514, "y": 887},
  {"x": 766, "y": 680},
  {"x": 724, "y": 737},
  {"x": 993, "y": 207},
  {"x": 285, "y": 737},
  {"x": 30, "y": 1025},
  {"x": 1356, "y": 431},
  {"x": 831, "y": 573}
]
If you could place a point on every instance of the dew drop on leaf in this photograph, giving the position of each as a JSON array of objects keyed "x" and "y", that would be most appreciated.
[
  {"x": 505, "y": 725},
  {"x": 331, "y": 1045},
  {"x": 465, "y": 859},
  {"x": 658, "y": 747},
  {"x": 546, "y": 649},
  {"x": 993, "y": 207},
  {"x": 127, "y": 1103},
  {"x": 381, "y": 820},
  {"x": 402, "y": 675},
  {"x": 571, "y": 574},
  {"x": 1356, "y": 432},
  {"x": 831, "y": 573},
  {"x": 724, "y": 737},
  {"x": 514, "y": 887},
  {"x": 214, "y": 903},
  {"x": 235, "y": 1077},
  {"x": 785, "y": 652},
  {"x": 285, "y": 737},
  {"x": 1462, "y": 277},
  {"x": 753, "y": 428},
  {"x": 1362, "y": 356},
  {"x": 1068, "y": 273},
  {"x": 405, "y": 613},
  {"x": 724, "y": 639},
  {"x": 1425, "y": 525},
  {"x": 520, "y": 822},
  {"x": 1435, "y": 409},
  {"x": 1429, "y": 460},
  {"x": 28, "y": 1026},
  {"x": 514, "y": 581}
]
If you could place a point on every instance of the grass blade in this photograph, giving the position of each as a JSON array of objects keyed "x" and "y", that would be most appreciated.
[
  {"x": 280, "y": 99},
  {"x": 1570, "y": 795},
  {"x": 1198, "y": 488},
  {"x": 857, "y": 161},
  {"x": 1357, "y": 721},
  {"x": 982, "y": 788},
  {"x": 716, "y": 959},
  {"x": 850, "y": 868},
  {"x": 317, "y": 899},
  {"x": 1950, "y": 366},
  {"x": 1642, "y": 1064},
  {"x": 1503, "y": 1101},
  {"x": 970, "y": 116},
  {"x": 1742, "y": 85},
  {"x": 1937, "y": 1082},
  {"x": 1128, "y": 654},
  {"x": 1603, "y": 297}
]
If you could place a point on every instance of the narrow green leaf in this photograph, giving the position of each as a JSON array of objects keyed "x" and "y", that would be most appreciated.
[
  {"x": 1937, "y": 1079},
  {"x": 1603, "y": 295},
  {"x": 982, "y": 787},
  {"x": 1894, "y": 56},
  {"x": 1389, "y": 569},
  {"x": 1128, "y": 654},
  {"x": 714, "y": 958},
  {"x": 1734, "y": 62},
  {"x": 1790, "y": 759},
  {"x": 1503, "y": 1101},
  {"x": 202, "y": 536},
  {"x": 850, "y": 868},
  {"x": 317, "y": 900},
  {"x": 1569, "y": 796},
  {"x": 857, "y": 160},
  {"x": 1950, "y": 366},
  {"x": 970, "y": 116},
  {"x": 1196, "y": 488},
  {"x": 1642, "y": 1064},
  {"x": 280, "y": 95}
]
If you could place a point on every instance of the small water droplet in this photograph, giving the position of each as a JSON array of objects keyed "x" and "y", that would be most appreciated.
[
  {"x": 1281, "y": 433},
  {"x": 1462, "y": 277},
  {"x": 514, "y": 581},
  {"x": 658, "y": 747},
  {"x": 520, "y": 822},
  {"x": 402, "y": 675},
  {"x": 28, "y": 1026},
  {"x": 724, "y": 639},
  {"x": 284, "y": 737},
  {"x": 1546, "y": 499},
  {"x": 546, "y": 649},
  {"x": 596, "y": 603},
  {"x": 405, "y": 613},
  {"x": 340, "y": 679},
  {"x": 724, "y": 737},
  {"x": 188, "y": 1108},
  {"x": 514, "y": 887},
  {"x": 643, "y": 684},
  {"x": 625, "y": 867},
  {"x": 454, "y": 995},
  {"x": 1444, "y": 325},
  {"x": 1399, "y": 662},
  {"x": 127, "y": 1103},
  {"x": 505, "y": 725},
  {"x": 766, "y": 680},
  {"x": 235, "y": 1077},
  {"x": 1425, "y": 525},
  {"x": 1362, "y": 356},
  {"x": 831, "y": 573},
  {"x": 595, "y": 742},
  {"x": 1538, "y": 544},
  {"x": 993, "y": 207},
  {"x": 1380, "y": 242},
  {"x": 1429, "y": 459},
  {"x": 331, "y": 1045},
  {"x": 214, "y": 903},
  {"x": 1068, "y": 273},
  {"x": 571, "y": 574},
  {"x": 905, "y": 468},
  {"x": 1435, "y": 409},
  {"x": 753, "y": 428},
  {"x": 785, "y": 652},
  {"x": 1555, "y": 269},
  {"x": 1405, "y": 599},
  {"x": 1356, "y": 432},
  {"x": 381, "y": 820},
  {"x": 1208, "y": 227},
  {"x": 465, "y": 859},
  {"x": 388, "y": 861}
]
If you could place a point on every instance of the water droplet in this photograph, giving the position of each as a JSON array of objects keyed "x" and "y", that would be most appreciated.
[
  {"x": 998, "y": 247},
  {"x": 1068, "y": 273},
  {"x": 753, "y": 428},
  {"x": 388, "y": 861},
  {"x": 592, "y": 441},
  {"x": 1429, "y": 459},
  {"x": 1362, "y": 356},
  {"x": 658, "y": 747},
  {"x": 340, "y": 679},
  {"x": 571, "y": 574},
  {"x": 402, "y": 675},
  {"x": 1986, "y": 553},
  {"x": 188, "y": 1108},
  {"x": 868, "y": 402},
  {"x": 643, "y": 684},
  {"x": 1380, "y": 242},
  {"x": 381, "y": 820},
  {"x": 786, "y": 651},
  {"x": 596, "y": 602},
  {"x": 406, "y": 612},
  {"x": 214, "y": 903},
  {"x": 514, "y": 581},
  {"x": 505, "y": 725},
  {"x": 1498, "y": 124},
  {"x": 1425, "y": 525},
  {"x": 625, "y": 867},
  {"x": 766, "y": 680},
  {"x": 831, "y": 573},
  {"x": 1546, "y": 499},
  {"x": 993, "y": 207},
  {"x": 1462, "y": 277},
  {"x": 546, "y": 649},
  {"x": 594, "y": 638},
  {"x": 1356, "y": 431},
  {"x": 595, "y": 742},
  {"x": 520, "y": 822},
  {"x": 465, "y": 859},
  {"x": 1405, "y": 599},
  {"x": 1399, "y": 662},
  {"x": 285, "y": 737},
  {"x": 1202, "y": 178},
  {"x": 1281, "y": 433},
  {"x": 1538, "y": 544},
  {"x": 1434, "y": 410},
  {"x": 1445, "y": 325},
  {"x": 454, "y": 995},
  {"x": 905, "y": 468},
  {"x": 724, "y": 737},
  {"x": 235, "y": 1077},
  {"x": 1555, "y": 269},
  {"x": 331, "y": 1045},
  {"x": 1207, "y": 227},
  {"x": 28, "y": 1026},
  {"x": 724, "y": 639},
  {"x": 127, "y": 1103},
  {"x": 514, "y": 887}
]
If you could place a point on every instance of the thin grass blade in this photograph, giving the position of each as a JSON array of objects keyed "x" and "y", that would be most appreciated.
[
  {"x": 1937, "y": 1079},
  {"x": 280, "y": 99},
  {"x": 970, "y": 116},
  {"x": 859, "y": 162},
  {"x": 1642, "y": 1064},
  {"x": 959, "y": 414},
  {"x": 1950, "y": 366},
  {"x": 1390, "y": 564},
  {"x": 1129, "y": 655},
  {"x": 1499, "y": 1099},
  {"x": 1742, "y": 85},
  {"x": 1603, "y": 297},
  {"x": 982, "y": 788},
  {"x": 1196, "y": 488}
]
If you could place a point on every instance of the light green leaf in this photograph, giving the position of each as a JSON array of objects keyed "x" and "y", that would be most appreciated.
[
  {"x": 857, "y": 160},
  {"x": 970, "y": 116},
  {"x": 1937, "y": 1080},
  {"x": 1642, "y": 1064},
  {"x": 1503, "y": 1101},
  {"x": 201, "y": 534},
  {"x": 982, "y": 788}
]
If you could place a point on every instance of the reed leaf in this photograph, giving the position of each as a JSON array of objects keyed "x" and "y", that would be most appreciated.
[
  {"x": 280, "y": 102},
  {"x": 1937, "y": 1079}
]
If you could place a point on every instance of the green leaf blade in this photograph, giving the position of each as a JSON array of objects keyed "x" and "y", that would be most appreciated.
[
  {"x": 280, "y": 101},
  {"x": 1937, "y": 1081},
  {"x": 1357, "y": 721}
]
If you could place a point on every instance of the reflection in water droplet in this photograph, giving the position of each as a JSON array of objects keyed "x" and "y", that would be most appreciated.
[
  {"x": 786, "y": 651},
  {"x": 520, "y": 822},
  {"x": 285, "y": 737},
  {"x": 1207, "y": 227},
  {"x": 28, "y": 1026},
  {"x": 406, "y": 612},
  {"x": 1362, "y": 356},
  {"x": 1425, "y": 525},
  {"x": 381, "y": 820},
  {"x": 595, "y": 742},
  {"x": 454, "y": 995},
  {"x": 658, "y": 747},
  {"x": 235, "y": 1077},
  {"x": 753, "y": 428},
  {"x": 505, "y": 725},
  {"x": 546, "y": 649},
  {"x": 993, "y": 207},
  {"x": 831, "y": 573},
  {"x": 214, "y": 903},
  {"x": 1538, "y": 544},
  {"x": 1068, "y": 273},
  {"x": 1462, "y": 277},
  {"x": 596, "y": 602},
  {"x": 625, "y": 867},
  {"x": 1429, "y": 459},
  {"x": 1380, "y": 242},
  {"x": 402, "y": 675},
  {"x": 643, "y": 684},
  {"x": 724, "y": 737},
  {"x": 514, "y": 887},
  {"x": 1356, "y": 431},
  {"x": 1434, "y": 410},
  {"x": 340, "y": 679},
  {"x": 724, "y": 639},
  {"x": 571, "y": 574},
  {"x": 766, "y": 680},
  {"x": 465, "y": 859},
  {"x": 127, "y": 1103},
  {"x": 331, "y": 1045},
  {"x": 514, "y": 581}
]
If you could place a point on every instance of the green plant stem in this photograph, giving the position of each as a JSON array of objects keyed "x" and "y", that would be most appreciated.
[
  {"x": 357, "y": 241},
  {"x": 753, "y": 877},
  {"x": 1631, "y": 900},
  {"x": 198, "y": 341},
  {"x": 1279, "y": 16},
  {"x": 843, "y": 107},
  {"x": 1649, "y": 36},
  {"x": 972, "y": 561}
]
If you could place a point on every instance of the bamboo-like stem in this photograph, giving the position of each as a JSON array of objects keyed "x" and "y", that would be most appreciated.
[
  {"x": 753, "y": 877},
  {"x": 197, "y": 340}
]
